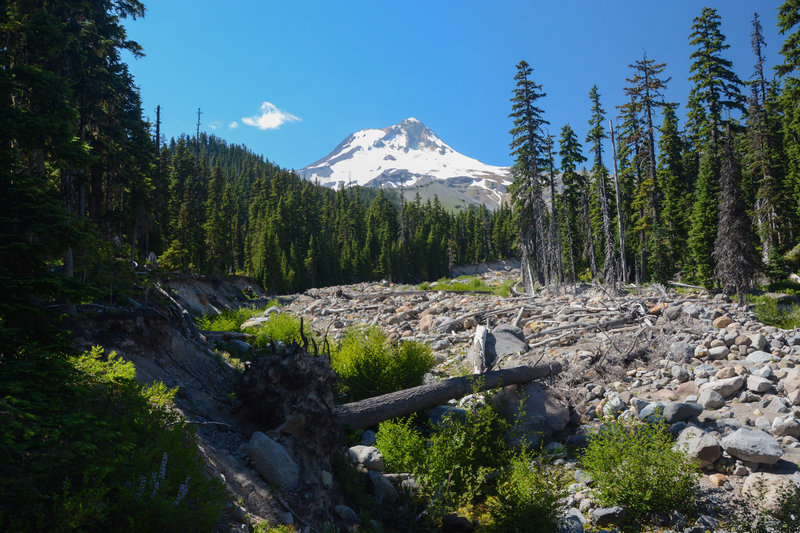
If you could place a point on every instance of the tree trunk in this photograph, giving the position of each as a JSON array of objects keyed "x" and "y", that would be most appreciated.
[{"x": 366, "y": 413}]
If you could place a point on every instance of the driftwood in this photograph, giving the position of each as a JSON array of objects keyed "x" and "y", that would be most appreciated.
[
  {"x": 477, "y": 352},
  {"x": 366, "y": 413}
]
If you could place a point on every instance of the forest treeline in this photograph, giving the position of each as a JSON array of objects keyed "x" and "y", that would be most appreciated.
[
  {"x": 713, "y": 202},
  {"x": 225, "y": 209}
]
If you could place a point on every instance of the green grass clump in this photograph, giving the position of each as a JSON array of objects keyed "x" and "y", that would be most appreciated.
[
  {"x": 231, "y": 320},
  {"x": 634, "y": 464},
  {"x": 281, "y": 327},
  {"x": 369, "y": 365},
  {"x": 85, "y": 447},
  {"x": 468, "y": 284}
]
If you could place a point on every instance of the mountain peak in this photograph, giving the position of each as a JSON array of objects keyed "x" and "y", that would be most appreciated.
[{"x": 409, "y": 154}]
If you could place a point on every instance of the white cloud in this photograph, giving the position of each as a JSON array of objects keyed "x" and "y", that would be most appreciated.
[
  {"x": 214, "y": 125},
  {"x": 270, "y": 118},
  {"x": 233, "y": 125}
]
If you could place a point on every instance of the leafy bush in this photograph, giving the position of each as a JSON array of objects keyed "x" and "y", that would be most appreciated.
[
  {"x": 634, "y": 464},
  {"x": 232, "y": 320},
  {"x": 84, "y": 447},
  {"x": 461, "y": 457},
  {"x": 369, "y": 365},
  {"x": 281, "y": 327},
  {"x": 529, "y": 498},
  {"x": 401, "y": 444}
]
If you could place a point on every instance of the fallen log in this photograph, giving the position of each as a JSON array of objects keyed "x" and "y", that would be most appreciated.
[{"x": 366, "y": 413}]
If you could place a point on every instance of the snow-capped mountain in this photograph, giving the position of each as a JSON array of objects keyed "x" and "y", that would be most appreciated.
[{"x": 412, "y": 156}]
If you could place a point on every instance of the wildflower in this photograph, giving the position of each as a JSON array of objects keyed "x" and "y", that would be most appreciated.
[{"x": 182, "y": 490}]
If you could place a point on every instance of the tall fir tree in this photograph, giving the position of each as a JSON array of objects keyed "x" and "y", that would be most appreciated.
[
  {"x": 715, "y": 93},
  {"x": 577, "y": 226},
  {"x": 526, "y": 190}
]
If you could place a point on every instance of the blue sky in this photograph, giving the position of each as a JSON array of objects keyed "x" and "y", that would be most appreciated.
[{"x": 296, "y": 77}]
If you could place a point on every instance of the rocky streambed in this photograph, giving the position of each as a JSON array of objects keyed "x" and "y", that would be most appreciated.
[{"x": 728, "y": 386}]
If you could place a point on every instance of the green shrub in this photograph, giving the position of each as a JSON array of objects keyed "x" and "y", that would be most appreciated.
[
  {"x": 369, "y": 365},
  {"x": 401, "y": 444},
  {"x": 461, "y": 458},
  {"x": 529, "y": 497},
  {"x": 775, "y": 312},
  {"x": 280, "y": 327},
  {"x": 634, "y": 464},
  {"x": 232, "y": 320},
  {"x": 84, "y": 447}
]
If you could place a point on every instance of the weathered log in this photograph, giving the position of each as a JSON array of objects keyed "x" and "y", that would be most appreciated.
[
  {"x": 477, "y": 352},
  {"x": 366, "y": 413}
]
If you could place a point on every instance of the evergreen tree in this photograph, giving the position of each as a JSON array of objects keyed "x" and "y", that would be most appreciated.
[
  {"x": 715, "y": 87},
  {"x": 526, "y": 190},
  {"x": 715, "y": 92},
  {"x": 669, "y": 253},
  {"x": 577, "y": 226},
  {"x": 734, "y": 247}
]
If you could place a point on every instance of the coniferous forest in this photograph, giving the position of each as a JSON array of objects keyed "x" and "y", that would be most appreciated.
[{"x": 713, "y": 201}]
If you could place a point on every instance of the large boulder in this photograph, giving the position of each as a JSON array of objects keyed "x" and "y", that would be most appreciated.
[
  {"x": 725, "y": 387},
  {"x": 542, "y": 411},
  {"x": 760, "y": 358},
  {"x": 766, "y": 488},
  {"x": 272, "y": 461},
  {"x": 505, "y": 339},
  {"x": 753, "y": 445},
  {"x": 681, "y": 411},
  {"x": 700, "y": 445}
]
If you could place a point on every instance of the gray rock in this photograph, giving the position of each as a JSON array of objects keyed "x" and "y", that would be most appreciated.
[
  {"x": 346, "y": 513},
  {"x": 369, "y": 457},
  {"x": 782, "y": 428},
  {"x": 753, "y": 445},
  {"x": 758, "y": 357},
  {"x": 718, "y": 353},
  {"x": 505, "y": 339},
  {"x": 673, "y": 312},
  {"x": 652, "y": 411},
  {"x": 681, "y": 412},
  {"x": 608, "y": 516},
  {"x": 758, "y": 384},
  {"x": 272, "y": 461},
  {"x": 544, "y": 412},
  {"x": 570, "y": 523},
  {"x": 382, "y": 488},
  {"x": 441, "y": 413},
  {"x": 680, "y": 373},
  {"x": 725, "y": 387},
  {"x": 700, "y": 445},
  {"x": 711, "y": 399},
  {"x": 681, "y": 350},
  {"x": 239, "y": 347},
  {"x": 758, "y": 341}
]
